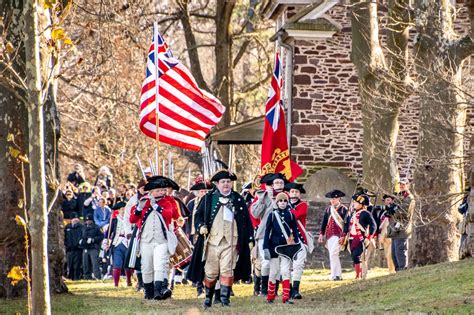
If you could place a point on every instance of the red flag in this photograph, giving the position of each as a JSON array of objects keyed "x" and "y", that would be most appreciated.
[{"x": 275, "y": 153}]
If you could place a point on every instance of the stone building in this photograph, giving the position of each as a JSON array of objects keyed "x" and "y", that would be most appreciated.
[
  {"x": 322, "y": 84},
  {"x": 322, "y": 98}
]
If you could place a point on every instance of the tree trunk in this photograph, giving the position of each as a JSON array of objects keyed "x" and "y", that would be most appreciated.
[
  {"x": 13, "y": 124},
  {"x": 382, "y": 88},
  {"x": 38, "y": 211},
  {"x": 439, "y": 165},
  {"x": 224, "y": 68},
  {"x": 55, "y": 218}
]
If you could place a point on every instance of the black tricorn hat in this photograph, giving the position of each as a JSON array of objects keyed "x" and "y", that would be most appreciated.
[
  {"x": 90, "y": 217},
  {"x": 247, "y": 186},
  {"x": 335, "y": 194},
  {"x": 362, "y": 199},
  {"x": 300, "y": 187},
  {"x": 268, "y": 179},
  {"x": 388, "y": 196},
  {"x": 223, "y": 174},
  {"x": 173, "y": 184},
  {"x": 157, "y": 182},
  {"x": 202, "y": 185},
  {"x": 119, "y": 205},
  {"x": 364, "y": 191}
]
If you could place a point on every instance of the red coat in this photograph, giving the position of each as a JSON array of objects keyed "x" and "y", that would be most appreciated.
[
  {"x": 170, "y": 211},
  {"x": 255, "y": 221},
  {"x": 300, "y": 211}
]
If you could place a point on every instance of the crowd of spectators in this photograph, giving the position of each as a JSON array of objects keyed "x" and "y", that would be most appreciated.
[{"x": 87, "y": 215}]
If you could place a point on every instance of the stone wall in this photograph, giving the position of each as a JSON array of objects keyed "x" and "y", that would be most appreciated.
[
  {"x": 326, "y": 116},
  {"x": 327, "y": 127}
]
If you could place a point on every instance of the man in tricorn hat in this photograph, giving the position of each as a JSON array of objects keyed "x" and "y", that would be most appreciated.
[
  {"x": 261, "y": 207},
  {"x": 200, "y": 188},
  {"x": 119, "y": 243},
  {"x": 131, "y": 231},
  {"x": 361, "y": 228},
  {"x": 149, "y": 215},
  {"x": 332, "y": 230},
  {"x": 299, "y": 208},
  {"x": 226, "y": 237}
]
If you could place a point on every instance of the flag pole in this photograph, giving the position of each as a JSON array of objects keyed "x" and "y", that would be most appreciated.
[{"x": 157, "y": 73}]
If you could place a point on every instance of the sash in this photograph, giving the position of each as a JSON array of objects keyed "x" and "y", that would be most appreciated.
[
  {"x": 364, "y": 231},
  {"x": 288, "y": 250},
  {"x": 337, "y": 218}
]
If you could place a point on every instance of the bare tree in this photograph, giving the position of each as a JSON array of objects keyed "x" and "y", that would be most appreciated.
[
  {"x": 38, "y": 212},
  {"x": 440, "y": 57},
  {"x": 436, "y": 61},
  {"x": 384, "y": 84},
  {"x": 27, "y": 92}
]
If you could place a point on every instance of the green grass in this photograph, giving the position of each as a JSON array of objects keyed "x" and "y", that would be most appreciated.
[{"x": 444, "y": 288}]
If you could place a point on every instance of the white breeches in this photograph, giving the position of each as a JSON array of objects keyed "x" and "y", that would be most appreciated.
[{"x": 155, "y": 261}]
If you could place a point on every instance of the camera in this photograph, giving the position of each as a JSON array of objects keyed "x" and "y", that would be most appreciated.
[{"x": 389, "y": 210}]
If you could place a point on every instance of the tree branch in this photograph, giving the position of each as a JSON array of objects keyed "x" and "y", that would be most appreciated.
[
  {"x": 203, "y": 16},
  {"x": 195, "y": 64},
  {"x": 366, "y": 52},
  {"x": 461, "y": 50},
  {"x": 257, "y": 84}
]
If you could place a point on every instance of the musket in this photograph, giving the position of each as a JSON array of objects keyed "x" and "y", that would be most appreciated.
[
  {"x": 157, "y": 163},
  {"x": 152, "y": 167},
  {"x": 206, "y": 237},
  {"x": 140, "y": 165}
]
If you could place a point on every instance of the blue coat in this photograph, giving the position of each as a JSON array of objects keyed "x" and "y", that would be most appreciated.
[
  {"x": 102, "y": 218},
  {"x": 273, "y": 234}
]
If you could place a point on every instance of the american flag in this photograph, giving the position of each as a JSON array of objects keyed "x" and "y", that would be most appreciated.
[
  {"x": 275, "y": 154},
  {"x": 186, "y": 113}
]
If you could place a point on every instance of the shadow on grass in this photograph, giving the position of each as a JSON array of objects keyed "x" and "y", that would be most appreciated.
[{"x": 440, "y": 288}]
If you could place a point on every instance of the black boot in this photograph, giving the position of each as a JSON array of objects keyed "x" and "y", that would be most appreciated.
[
  {"x": 158, "y": 289},
  {"x": 256, "y": 285},
  {"x": 209, "y": 294},
  {"x": 217, "y": 296},
  {"x": 296, "y": 290},
  {"x": 165, "y": 292},
  {"x": 199, "y": 289},
  {"x": 149, "y": 290},
  {"x": 140, "y": 281},
  {"x": 264, "y": 290},
  {"x": 225, "y": 295}
]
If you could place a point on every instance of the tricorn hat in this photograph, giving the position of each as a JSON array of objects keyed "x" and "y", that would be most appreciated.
[
  {"x": 223, "y": 174},
  {"x": 202, "y": 185},
  {"x": 268, "y": 179},
  {"x": 388, "y": 196},
  {"x": 157, "y": 182},
  {"x": 90, "y": 217},
  {"x": 297, "y": 186},
  {"x": 362, "y": 199},
  {"x": 335, "y": 194},
  {"x": 119, "y": 205}
]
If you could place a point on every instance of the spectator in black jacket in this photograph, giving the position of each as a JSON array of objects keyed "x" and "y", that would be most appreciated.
[
  {"x": 90, "y": 241},
  {"x": 69, "y": 205},
  {"x": 84, "y": 192},
  {"x": 72, "y": 236},
  {"x": 77, "y": 176}
]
